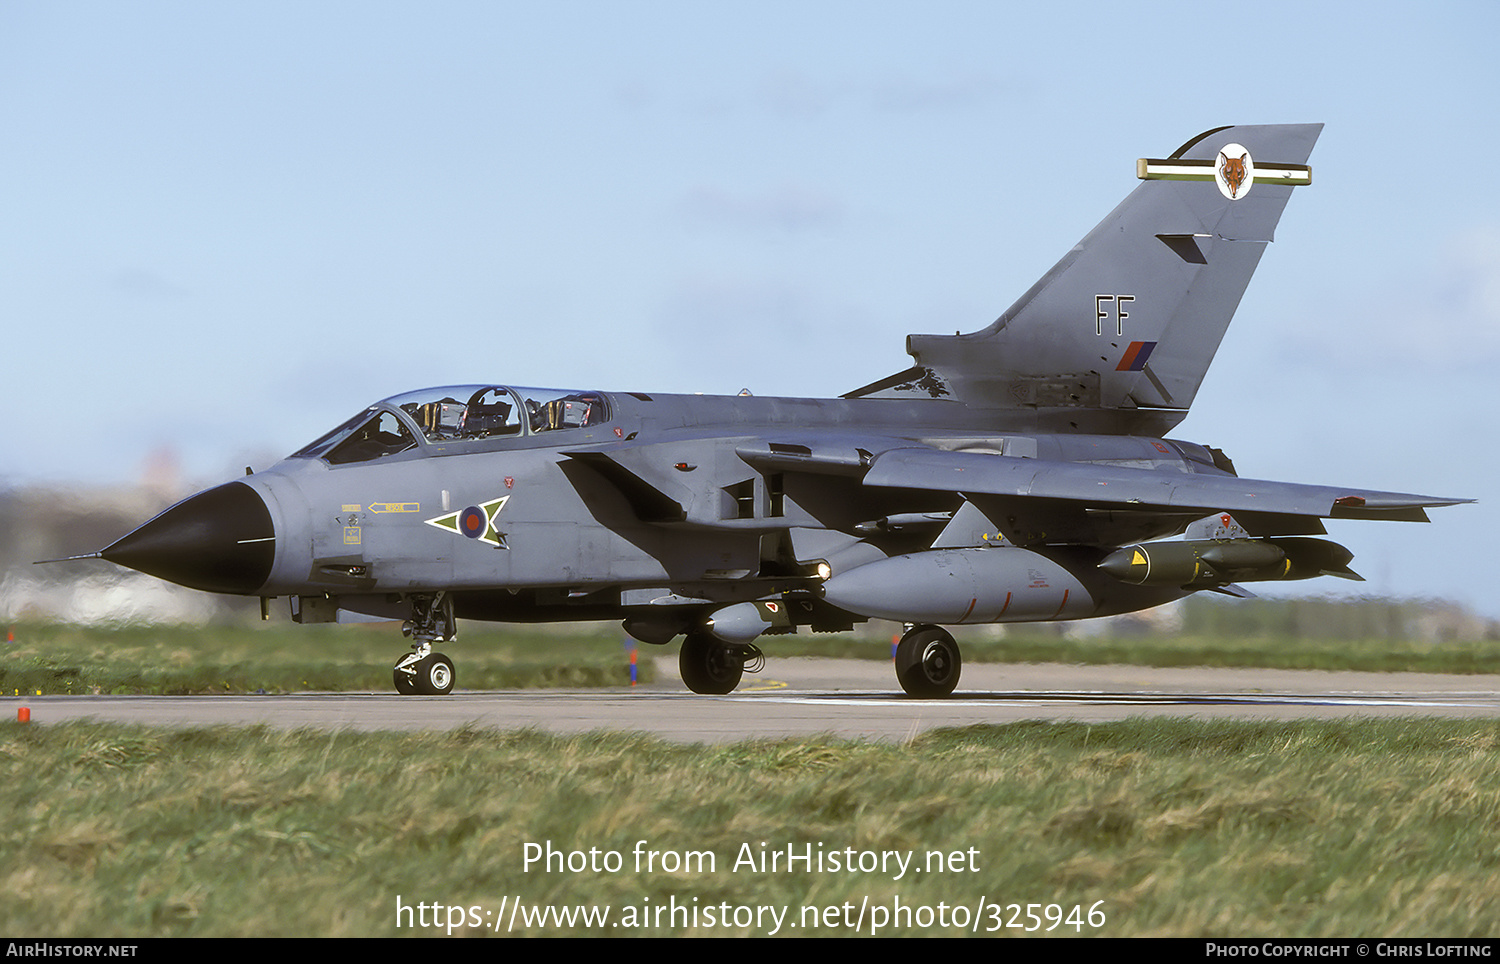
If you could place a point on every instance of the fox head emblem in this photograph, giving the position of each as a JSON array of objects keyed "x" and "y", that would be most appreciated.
[{"x": 1233, "y": 172}]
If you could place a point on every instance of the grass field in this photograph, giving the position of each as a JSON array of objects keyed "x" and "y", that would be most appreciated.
[
  {"x": 1164, "y": 827},
  {"x": 280, "y": 658},
  {"x": 1038, "y": 645},
  {"x": 1176, "y": 828}
]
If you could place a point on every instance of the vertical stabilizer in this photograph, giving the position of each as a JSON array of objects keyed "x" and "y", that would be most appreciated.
[{"x": 1118, "y": 335}]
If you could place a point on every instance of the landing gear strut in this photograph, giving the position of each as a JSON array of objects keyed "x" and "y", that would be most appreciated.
[
  {"x": 710, "y": 666},
  {"x": 928, "y": 662},
  {"x": 423, "y": 671}
]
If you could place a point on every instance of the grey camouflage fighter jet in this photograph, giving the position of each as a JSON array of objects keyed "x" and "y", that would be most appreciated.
[{"x": 1017, "y": 473}]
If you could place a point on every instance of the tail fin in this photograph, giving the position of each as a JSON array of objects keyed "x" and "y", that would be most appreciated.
[{"x": 1118, "y": 335}]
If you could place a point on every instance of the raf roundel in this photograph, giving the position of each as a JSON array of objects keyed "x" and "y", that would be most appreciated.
[
  {"x": 476, "y": 522},
  {"x": 472, "y": 522}
]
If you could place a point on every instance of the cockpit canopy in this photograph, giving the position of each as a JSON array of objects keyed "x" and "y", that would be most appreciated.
[{"x": 455, "y": 413}]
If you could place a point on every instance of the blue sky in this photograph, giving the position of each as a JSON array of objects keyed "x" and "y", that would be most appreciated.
[{"x": 228, "y": 226}]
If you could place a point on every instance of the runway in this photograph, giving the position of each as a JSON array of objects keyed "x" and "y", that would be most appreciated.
[{"x": 845, "y": 698}]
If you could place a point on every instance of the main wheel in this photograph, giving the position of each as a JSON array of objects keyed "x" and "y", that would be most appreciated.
[
  {"x": 435, "y": 675},
  {"x": 709, "y": 666},
  {"x": 928, "y": 663}
]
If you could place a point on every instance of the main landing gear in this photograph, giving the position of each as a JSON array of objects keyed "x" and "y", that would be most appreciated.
[
  {"x": 423, "y": 671},
  {"x": 928, "y": 662},
  {"x": 712, "y": 667}
]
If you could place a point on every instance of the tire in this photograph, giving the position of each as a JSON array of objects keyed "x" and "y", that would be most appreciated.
[
  {"x": 435, "y": 675},
  {"x": 708, "y": 666},
  {"x": 406, "y": 684},
  {"x": 928, "y": 663}
]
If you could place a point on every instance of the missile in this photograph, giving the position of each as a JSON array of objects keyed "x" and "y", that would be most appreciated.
[{"x": 1204, "y": 563}]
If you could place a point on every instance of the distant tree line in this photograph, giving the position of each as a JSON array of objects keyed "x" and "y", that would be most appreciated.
[{"x": 1427, "y": 620}]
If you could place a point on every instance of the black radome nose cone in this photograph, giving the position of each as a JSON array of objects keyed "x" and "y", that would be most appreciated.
[{"x": 221, "y": 540}]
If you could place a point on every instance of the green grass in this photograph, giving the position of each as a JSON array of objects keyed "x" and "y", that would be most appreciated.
[
  {"x": 1040, "y": 645},
  {"x": 1180, "y": 828},
  {"x": 279, "y": 658},
  {"x": 61, "y": 659}
]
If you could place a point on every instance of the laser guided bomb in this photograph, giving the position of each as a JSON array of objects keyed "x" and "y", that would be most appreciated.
[
  {"x": 1019, "y": 472},
  {"x": 1206, "y": 563}
]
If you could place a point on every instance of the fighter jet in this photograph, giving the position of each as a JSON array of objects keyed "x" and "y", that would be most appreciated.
[{"x": 1021, "y": 472}]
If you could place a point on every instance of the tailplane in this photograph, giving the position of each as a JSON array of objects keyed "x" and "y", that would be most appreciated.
[{"x": 1117, "y": 337}]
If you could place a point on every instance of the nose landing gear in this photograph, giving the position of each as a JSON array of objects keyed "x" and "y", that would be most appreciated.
[{"x": 422, "y": 671}]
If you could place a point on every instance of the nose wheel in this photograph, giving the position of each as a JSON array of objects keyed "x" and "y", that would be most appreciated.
[
  {"x": 423, "y": 672},
  {"x": 928, "y": 663}
]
